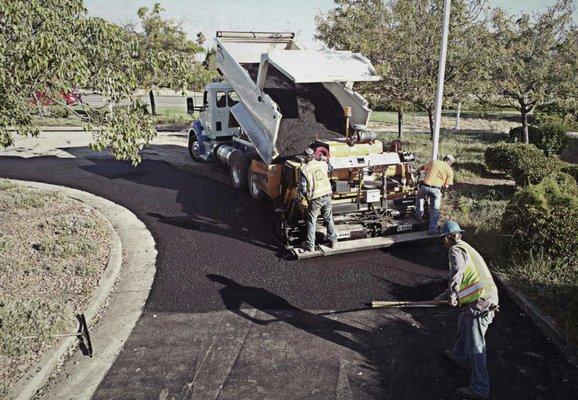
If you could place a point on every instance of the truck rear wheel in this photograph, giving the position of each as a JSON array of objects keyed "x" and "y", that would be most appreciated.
[
  {"x": 239, "y": 168},
  {"x": 194, "y": 147},
  {"x": 254, "y": 189}
]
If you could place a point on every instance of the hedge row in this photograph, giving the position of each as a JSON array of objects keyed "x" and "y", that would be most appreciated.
[
  {"x": 527, "y": 164},
  {"x": 543, "y": 219},
  {"x": 550, "y": 136}
]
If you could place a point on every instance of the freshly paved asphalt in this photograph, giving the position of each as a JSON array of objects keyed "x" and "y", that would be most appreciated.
[{"x": 229, "y": 318}]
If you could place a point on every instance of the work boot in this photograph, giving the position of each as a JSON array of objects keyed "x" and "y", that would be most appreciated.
[
  {"x": 332, "y": 243},
  {"x": 305, "y": 246},
  {"x": 469, "y": 393},
  {"x": 455, "y": 361}
]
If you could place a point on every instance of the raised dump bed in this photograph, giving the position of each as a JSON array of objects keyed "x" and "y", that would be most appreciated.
[{"x": 285, "y": 103}]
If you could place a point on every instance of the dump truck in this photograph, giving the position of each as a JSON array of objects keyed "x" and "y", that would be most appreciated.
[{"x": 274, "y": 100}]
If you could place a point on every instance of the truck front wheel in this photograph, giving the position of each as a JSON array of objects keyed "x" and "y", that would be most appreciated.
[
  {"x": 194, "y": 147},
  {"x": 239, "y": 164}
]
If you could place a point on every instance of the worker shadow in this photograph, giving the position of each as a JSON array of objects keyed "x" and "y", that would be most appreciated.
[
  {"x": 387, "y": 344},
  {"x": 235, "y": 295}
]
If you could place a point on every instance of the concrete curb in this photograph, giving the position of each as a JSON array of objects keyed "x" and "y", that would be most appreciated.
[
  {"x": 541, "y": 320},
  {"x": 125, "y": 304}
]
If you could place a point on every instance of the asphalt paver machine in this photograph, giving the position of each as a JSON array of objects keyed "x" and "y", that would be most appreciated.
[{"x": 276, "y": 99}]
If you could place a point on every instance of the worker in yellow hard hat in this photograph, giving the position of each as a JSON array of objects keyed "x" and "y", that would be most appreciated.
[
  {"x": 438, "y": 175},
  {"x": 315, "y": 191},
  {"x": 471, "y": 287}
]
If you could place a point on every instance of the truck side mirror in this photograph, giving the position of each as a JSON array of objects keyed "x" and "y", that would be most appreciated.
[{"x": 190, "y": 105}]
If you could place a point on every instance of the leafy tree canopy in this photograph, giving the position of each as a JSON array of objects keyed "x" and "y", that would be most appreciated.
[
  {"x": 50, "y": 47},
  {"x": 402, "y": 38},
  {"x": 535, "y": 59}
]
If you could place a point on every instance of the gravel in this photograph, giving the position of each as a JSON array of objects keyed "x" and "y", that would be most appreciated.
[{"x": 310, "y": 111}]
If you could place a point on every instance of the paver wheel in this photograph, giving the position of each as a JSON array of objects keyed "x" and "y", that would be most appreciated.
[{"x": 239, "y": 168}]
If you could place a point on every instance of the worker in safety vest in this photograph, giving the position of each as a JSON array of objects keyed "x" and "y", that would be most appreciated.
[
  {"x": 315, "y": 191},
  {"x": 471, "y": 287},
  {"x": 438, "y": 175}
]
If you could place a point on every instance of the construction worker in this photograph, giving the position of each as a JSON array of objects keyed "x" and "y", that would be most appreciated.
[
  {"x": 471, "y": 287},
  {"x": 438, "y": 175},
  {"x": 315, "y": 191}
]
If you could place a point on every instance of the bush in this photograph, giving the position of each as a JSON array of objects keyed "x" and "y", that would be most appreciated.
[
  {"x": 571, "y": 169},
  {"x": 551, "y": 137},
  {"x": 530, "y": 169},
  {"x": 503, "y": 156},
  {"x": 526, "y": 164},
  {"x": 543, "y": 219},
  {"x": 517, "y": 133}
]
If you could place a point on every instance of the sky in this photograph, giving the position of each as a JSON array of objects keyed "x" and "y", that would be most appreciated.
[{"x": 208, "y": 16}]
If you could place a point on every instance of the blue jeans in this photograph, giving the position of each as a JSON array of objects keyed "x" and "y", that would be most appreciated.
[
  {"x": 435, "y": 203},
  {"x": 470, "y": 347},
  {"x": 323, "y": 205}
]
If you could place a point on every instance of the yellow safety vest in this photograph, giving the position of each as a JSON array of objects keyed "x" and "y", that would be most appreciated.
[
  {"x": 317, "y": 175},
  {"x": 477, "y": 281}
]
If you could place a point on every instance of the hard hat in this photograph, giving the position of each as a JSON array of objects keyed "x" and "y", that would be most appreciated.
[
  {"x": 450, "y": 157},
  {"x": 450, "y": 227}
]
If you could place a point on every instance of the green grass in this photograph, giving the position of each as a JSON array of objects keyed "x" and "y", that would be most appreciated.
[
  {"x": 173, "y": 116},
  {"x": 553, "y": 287}
]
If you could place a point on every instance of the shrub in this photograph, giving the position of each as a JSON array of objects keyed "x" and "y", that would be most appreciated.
[
  {"x": 517, "y": 133},
  {"x": 503, "y": 156},
  {"x": 571, "y": 169},
  {"x": 530, "y": 169},
  {"x": 543, "y": 219},
  {"x": 551, "y": 137}
]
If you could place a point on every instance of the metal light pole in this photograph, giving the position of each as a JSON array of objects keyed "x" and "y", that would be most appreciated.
[{"x": 441, "y": 77}]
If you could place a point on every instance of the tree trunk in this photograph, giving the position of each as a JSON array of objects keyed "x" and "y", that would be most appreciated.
[
  {"x": 399, "y": 122},
  {"x": 431, "y": 121},
  {"x": 153, "y": 106},
  {"x": 525, "y": 134},
  {"x": 458, "y": 116}
]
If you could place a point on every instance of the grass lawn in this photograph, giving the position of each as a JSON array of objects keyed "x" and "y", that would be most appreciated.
[{"x": 53, "y": 251}]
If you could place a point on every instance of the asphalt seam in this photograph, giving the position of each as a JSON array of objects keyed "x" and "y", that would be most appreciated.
[{"x": 131, "y": 243}]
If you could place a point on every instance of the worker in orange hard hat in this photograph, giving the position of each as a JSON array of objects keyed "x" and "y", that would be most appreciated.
[{"x": 471, "y": 287}]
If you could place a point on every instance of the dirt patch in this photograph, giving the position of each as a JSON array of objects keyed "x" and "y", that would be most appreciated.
[
  {"x": 310, "y": 111},
  {"x": 53, "y": 251}
]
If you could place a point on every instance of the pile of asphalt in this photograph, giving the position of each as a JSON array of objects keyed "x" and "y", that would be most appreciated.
[{"x": 310, "y": 111}]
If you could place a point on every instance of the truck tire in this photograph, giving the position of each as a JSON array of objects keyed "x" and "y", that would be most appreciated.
[
  {"x": 254, "y": 190},
  {"x": 239, "y": 165},
  {"x": 194, "y": 148}
]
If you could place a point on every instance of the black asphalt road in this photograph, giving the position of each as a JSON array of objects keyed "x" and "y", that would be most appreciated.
[{"x": 217, "y": 256}]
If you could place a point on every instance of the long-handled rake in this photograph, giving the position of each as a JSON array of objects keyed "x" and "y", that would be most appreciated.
[{"x": 408, "y": 304}]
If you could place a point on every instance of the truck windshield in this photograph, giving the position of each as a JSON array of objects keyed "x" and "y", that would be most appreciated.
[{"x": 221, "y": 99}]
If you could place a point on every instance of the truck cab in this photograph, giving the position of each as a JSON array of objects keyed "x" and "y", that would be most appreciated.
[{"x": 215, "y": 115}]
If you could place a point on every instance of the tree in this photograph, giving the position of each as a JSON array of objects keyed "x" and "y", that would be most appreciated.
[
  {"x": 535, "y": 59},
  {"x": 402, "y": 39},
  {"x": 167, "y": 58},
  {"x": 51, "y": 47}
]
